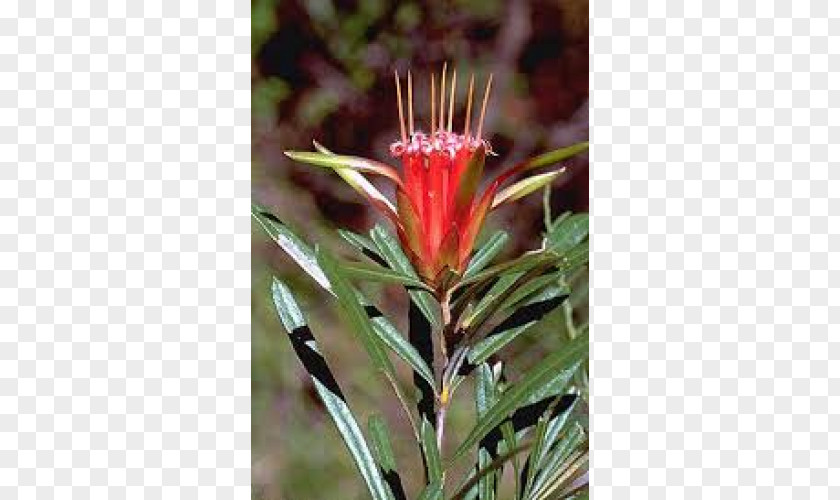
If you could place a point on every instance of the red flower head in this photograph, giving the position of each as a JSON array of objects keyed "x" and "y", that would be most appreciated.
[{"x": 439, "y": 213}]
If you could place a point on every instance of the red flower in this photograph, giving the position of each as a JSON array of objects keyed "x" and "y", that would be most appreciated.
[{"x": 439, "y": 214}]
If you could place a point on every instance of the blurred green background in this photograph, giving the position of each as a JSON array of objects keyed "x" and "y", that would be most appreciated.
[{"x": 323, "y": 70}]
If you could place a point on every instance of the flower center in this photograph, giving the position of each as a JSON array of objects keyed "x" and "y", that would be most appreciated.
[{"x": 439, "y": 142}]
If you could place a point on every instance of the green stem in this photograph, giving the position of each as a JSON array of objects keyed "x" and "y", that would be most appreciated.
[{"x": 547, "y": 207}]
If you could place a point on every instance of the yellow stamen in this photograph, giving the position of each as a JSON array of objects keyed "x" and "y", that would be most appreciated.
[
  {"x": 452, "y": 98},
  {"x": 432, "y": 102},
  {"x": 484, "y": 104},
  {"x": 442, "y": 94},
  {"x": 410, "y": 107},
  {"x": 469, "y": 107},
  {"x": 399, "y": 105}
]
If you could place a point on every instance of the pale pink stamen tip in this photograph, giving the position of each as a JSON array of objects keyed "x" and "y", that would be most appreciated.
[{"x": 441, "y": 141}]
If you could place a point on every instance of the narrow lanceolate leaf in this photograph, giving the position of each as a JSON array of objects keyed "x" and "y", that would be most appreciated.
[
  {"x": 563, "y": 361},
  {"x": 392, "y": 338},
  {"x": 551, "y": 283},
  {"x": 354, "y": 163},
  {"x": 567, "y": 233},
  {"x": 485, "y": 397},
  {"x": 353, "y": 310},
  {"x": 363, "y": 244},
  {"x": 291, "y": 243},
  {"x": 552, "y": 157},
  {"x": 504, "y": 290},
  {"x": 547, "y": 430},
  {"x": 491, "y": 299},
  {"x": 520, "y": 320},
  {"x": 486, "y": 253},
  {"x": 431, "y": 453},
  {"x": 511, "y": 439},
  {"x": 381, "y": 443},
  {"x": 560, "y": 460},
  {"x": 365, "y": 272},
  {"x": 364, "y": 187},
  {"x": 523, "y": 263},
  {"x": 434, "y": 491},
  {"x": 309, "y": 354},
  {"x": 391, "y": 251},
  {"x": 350, "y": 172},
  {"x": 524, "y": 187},
  {"x": 306, "y": 258},
  {"x": 360, "y": 323},
  {"x": 384, "y": 455},
  {"x": 555, "y": 426},
  {"x": 540, "y": 161},
  {"x": 492, "y": 344}
]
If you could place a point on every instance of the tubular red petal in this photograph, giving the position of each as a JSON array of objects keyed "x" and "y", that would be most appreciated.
[
  {"x": 413, "y": 229},
  {"x": 471, "y": 225},
  {"x": 438, "y": 172},
  {"x": 469, "y": 168}
]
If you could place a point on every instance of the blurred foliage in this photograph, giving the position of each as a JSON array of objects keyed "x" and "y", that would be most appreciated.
[{"x": 323, "y": 69}]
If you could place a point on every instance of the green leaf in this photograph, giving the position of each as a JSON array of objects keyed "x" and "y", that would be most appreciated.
[
  {"x": 525, "y": 187},
  {"x": 291, "y": 244},
  {"x": 361, "y": 325},
  {"x": 363, "y": 244},
  {"x": 520, "y": 264},
  {"x": 391, "y": 337},
  {"x": 551, "y": 157},
  {"x": 489, "y": 302},
  {"x": 381, "y": 443},
  {"x": 564, "y": 362},
  {"x": 348, "y": 168},
  {"x": 339, "y": 162},
  {"x": 510, "y": 436},
  {"x": 546, "y": 433},
  {"x": 485, "y": 397},
  {"x": 486, "y": 253},
  {"x": 384, "y": 454},
  {"x": 366, "y": 272},
  {"x": 306, "y": 258},
  {"x": 563, "y": 459},
  {"x": 567, "y": 233},
  {"x": 391, "y": 251},
  {"x": 434, "y": 491},
  {"x": 325, "y": 385},
  {"x": 540, "y": 288},
  {"x": 354, "y": 311},
  {"x": 509, "y": 291},
  {"x": 428, "y": 443},
  {"x": 518, "y": 321},
  {"x": 492, "y": 344}
]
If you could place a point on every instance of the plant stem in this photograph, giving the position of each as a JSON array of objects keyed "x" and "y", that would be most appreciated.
[
  {"x": 547, "y": 207},
  {"x": 446, "y": 317},
  {"x": 441, "y": 422}
]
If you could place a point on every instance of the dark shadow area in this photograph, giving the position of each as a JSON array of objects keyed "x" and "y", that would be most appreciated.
[
  {"x": 312, "y": 360},
  {"x": 524, "y": 315},
  {"x": 526, "y": 417},
  {"x": 394, "y": 483},
  {"x": 420, "y": 336}
]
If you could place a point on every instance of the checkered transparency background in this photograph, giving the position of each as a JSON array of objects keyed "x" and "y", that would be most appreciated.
[
  {"x": 715, "y": 127},
  {"x": 124, "y": 249}
]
